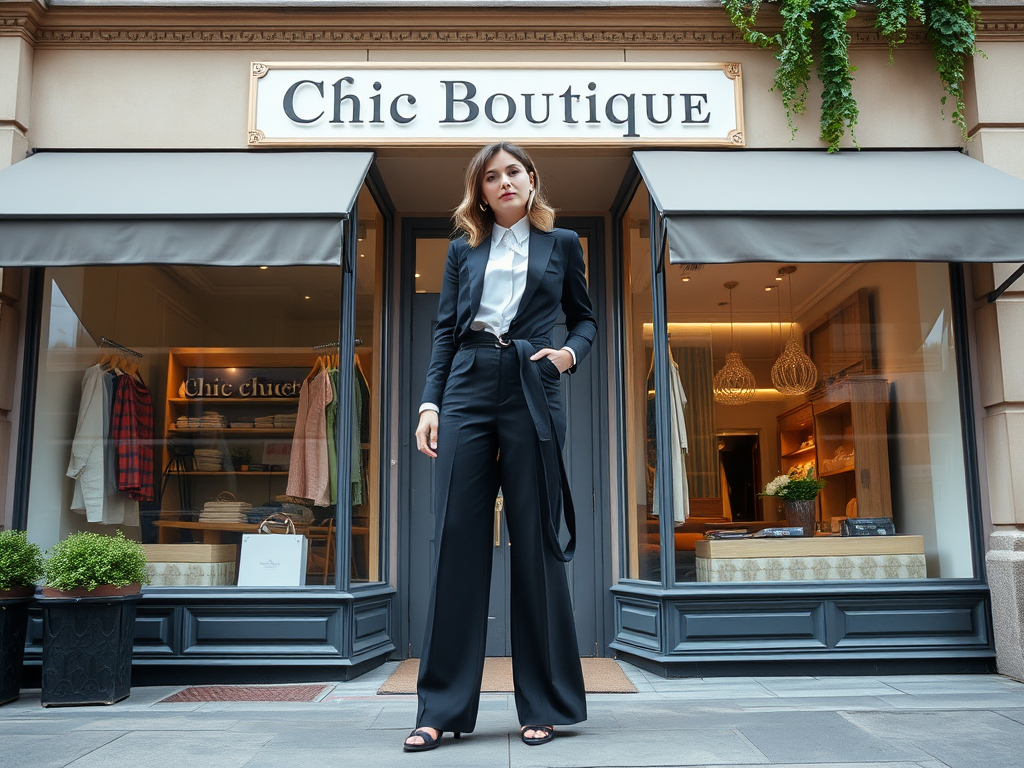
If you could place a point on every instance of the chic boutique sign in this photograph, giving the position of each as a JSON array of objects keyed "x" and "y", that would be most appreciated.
[{"x": 555, "y": 104}]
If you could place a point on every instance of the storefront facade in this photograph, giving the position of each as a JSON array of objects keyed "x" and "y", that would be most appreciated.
[{"x": 240, "y": 251}]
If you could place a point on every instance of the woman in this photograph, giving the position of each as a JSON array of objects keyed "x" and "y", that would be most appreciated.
[{"x": 492, "y": 416}]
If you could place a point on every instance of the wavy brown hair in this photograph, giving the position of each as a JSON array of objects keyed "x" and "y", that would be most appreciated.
[{"x": 477, "y": 223}]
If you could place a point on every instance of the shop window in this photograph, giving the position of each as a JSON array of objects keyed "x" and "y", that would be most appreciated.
[
  {"x": 880, "y": 425},
  {"x": 223, "y": 353}
]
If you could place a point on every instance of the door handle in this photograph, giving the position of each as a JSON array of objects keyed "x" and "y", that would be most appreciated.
[{"x": 499, "y": 504}]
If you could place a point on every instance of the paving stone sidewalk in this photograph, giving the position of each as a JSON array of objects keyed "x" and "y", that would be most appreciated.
[{"x": 956, "y": 721}]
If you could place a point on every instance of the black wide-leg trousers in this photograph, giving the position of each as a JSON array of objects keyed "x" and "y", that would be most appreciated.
[{"x": 487, "y": 439}]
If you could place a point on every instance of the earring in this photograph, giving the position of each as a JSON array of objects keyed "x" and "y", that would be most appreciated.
[
  {"x": 529, "y": 203},
  {"x": 483, "y": 207}
]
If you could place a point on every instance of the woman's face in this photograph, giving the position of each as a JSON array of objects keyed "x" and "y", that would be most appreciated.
[{"x": 506, "y": 188}]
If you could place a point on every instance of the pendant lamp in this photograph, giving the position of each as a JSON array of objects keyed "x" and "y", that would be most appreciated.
[
  {"x": 794, "y": 373},
  {"x": 734, "y": 384}
]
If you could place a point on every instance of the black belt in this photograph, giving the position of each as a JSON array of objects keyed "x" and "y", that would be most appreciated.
[{"x": 551, "y": 453}]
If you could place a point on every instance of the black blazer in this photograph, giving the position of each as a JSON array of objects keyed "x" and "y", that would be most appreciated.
[{"x": 555, "y": 279}]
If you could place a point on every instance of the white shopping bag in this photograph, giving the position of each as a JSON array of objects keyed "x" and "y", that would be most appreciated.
[{"x": 272, "y": 560}]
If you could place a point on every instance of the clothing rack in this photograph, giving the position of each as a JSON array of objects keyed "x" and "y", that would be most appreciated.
[
  {"x": 105, "y": 342},
  {"x": 331, "y": 345}
]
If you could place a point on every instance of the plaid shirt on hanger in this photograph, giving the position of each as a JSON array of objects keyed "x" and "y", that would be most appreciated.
[{"x": 131, "y": 429}]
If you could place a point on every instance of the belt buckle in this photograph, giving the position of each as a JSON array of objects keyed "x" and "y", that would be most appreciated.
[{"x": 503, "y": 342}]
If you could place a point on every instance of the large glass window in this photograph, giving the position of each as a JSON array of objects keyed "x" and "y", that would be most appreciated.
[
  {"x": 880, "y": 424},
  {"x": 239, "y": 368}
]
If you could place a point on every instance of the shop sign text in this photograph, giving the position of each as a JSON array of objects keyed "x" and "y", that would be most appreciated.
[{"x": 369, "y": 105}]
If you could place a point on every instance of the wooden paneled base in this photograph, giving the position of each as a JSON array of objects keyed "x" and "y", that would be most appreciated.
[
  {"x": 820, "y": 623},
  {"x": 284, "y": 630}
]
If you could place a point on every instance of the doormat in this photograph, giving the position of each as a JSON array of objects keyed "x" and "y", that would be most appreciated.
[
  {"x": 201, "y": 693},
  {"x": 599, "y": 676}
]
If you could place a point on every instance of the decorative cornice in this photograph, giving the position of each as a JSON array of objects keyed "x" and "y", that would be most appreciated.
[{"x": 700, "y": 27}]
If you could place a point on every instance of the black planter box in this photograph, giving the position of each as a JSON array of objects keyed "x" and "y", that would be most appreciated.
[
  {"x": 13, "y": 623},
  {"x": 87, "y": 649}
]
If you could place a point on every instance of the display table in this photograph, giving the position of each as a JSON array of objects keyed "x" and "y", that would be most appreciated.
[
  {"x": 817, "y": 558},
  {"x": 191, "y": 565}
]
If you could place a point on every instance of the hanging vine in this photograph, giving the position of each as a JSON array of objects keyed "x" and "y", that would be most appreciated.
[{"x": 814, "y": 36}]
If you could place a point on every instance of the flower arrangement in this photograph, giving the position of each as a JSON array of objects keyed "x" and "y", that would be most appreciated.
[{"x": 795, "y": 488}]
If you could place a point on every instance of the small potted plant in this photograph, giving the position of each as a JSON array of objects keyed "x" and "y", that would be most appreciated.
[
  {"x": 241, "y": 458},
  {"x": 797, "y": 492},
  {"x": 21, "y": 565},
  {"x": 91, "y": 589}
]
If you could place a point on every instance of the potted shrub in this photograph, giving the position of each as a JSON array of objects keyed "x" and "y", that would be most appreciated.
[
  {"x": 21, "y": 565},
  {"x": 241, "y": 458},
  {"x": 91, "y": 589}
]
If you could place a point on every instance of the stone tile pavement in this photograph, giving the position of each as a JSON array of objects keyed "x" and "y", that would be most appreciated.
[{"x": 944, "y": 721}]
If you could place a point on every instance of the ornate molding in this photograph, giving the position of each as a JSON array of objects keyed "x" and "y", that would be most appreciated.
[
  {"x": 65, "y": 26},
  {"x": 255, "y": 137}
]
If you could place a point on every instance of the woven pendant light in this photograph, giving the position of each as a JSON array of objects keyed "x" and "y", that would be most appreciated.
[
  {"x": 734, "y": 384},
  {"x": 794, "y": 373}
]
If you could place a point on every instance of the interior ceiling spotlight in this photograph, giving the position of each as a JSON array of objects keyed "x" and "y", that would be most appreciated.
[
  {"x": 734, "y": 384},
  {"x": 794, "y": 373}
]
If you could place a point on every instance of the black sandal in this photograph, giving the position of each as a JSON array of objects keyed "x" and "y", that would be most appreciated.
[
  {"x": 547, "y": 730},
  {"x": 429, "y": 742}
]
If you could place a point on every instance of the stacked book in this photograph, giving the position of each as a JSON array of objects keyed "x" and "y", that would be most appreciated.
[{"x": 209, "y": 460}]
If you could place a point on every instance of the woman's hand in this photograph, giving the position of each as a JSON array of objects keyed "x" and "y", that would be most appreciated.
[
  {"x": 426, "y": 433},
  {"x": 562, "y": 358}
]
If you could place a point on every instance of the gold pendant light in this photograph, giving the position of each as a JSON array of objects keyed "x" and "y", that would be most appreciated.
[
  {"x": 734, "y": 384},
  {"x": 794, "y": 373}
]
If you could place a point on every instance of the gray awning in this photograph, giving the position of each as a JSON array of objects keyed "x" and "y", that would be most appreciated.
[
  {"x": 216, "y": 208},
  {"x": 851, "y": 206}
]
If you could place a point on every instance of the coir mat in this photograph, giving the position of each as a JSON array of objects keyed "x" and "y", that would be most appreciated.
[{"x": 199, "y": 693}]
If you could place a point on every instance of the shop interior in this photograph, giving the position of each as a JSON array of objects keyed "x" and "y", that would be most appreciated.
[
  {"x": 844, "y": 372},
  {"x": 238, "y": 368}
]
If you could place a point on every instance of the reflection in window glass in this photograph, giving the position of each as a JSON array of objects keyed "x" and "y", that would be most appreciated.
[
  {"x": 366, "y": 517},
  {"x": 644, "y": 549},
  {"x": 223, "y": 354}
]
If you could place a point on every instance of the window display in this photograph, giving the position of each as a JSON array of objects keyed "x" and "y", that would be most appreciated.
[
  {"x": 855, "y": 387},
  {"x": 215, "y": 411}
]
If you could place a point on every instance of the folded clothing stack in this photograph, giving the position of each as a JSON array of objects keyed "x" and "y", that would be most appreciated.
[
  {"x": 296, "y": 512},
  {"x": 264, "y": 422},
  {"x": 187, "y": 422},
  {"x": 225, "y": 512},
  {"x": 285, "y": 420},
  {"x": 242, "y": 425},
  {"x": 209, "y": 460},
  {"x": 212, "y": 420}
]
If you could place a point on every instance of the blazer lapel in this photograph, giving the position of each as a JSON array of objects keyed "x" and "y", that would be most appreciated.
[
  {"x": 541, "y": 245},
  {"x": 476, "y": 265}
]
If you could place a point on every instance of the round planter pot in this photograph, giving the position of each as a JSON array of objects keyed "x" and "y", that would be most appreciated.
[
  {"x": 800, "y": 514},
  {"x": 14, "y": 605},
  {"x": 87, "y": 647},
  {"x": 103, "y": 590}
]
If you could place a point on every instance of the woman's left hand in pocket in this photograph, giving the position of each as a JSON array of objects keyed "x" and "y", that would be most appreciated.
[{"x": 561, "y": 358}]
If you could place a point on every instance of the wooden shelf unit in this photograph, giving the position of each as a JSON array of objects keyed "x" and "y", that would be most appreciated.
[
  {"x": 852, "y": 414},
  {"x": 179, "y": 361}
]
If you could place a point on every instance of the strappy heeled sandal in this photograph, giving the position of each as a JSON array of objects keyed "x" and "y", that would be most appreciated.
[
  {"x": 429, "y": 742},
  {"x": 547, "y": 730}
]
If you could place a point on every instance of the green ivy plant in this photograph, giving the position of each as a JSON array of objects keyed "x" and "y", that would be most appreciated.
[
  {"x": 21, "y": 562},
  {"x": 87, "y": 560},
  {"x": 814, "y": 32}
]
